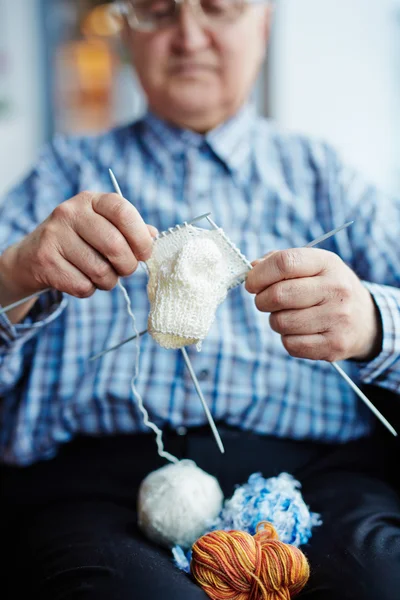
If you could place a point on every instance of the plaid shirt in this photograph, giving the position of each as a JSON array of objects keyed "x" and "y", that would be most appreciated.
[{"x": 268, "y": 190}]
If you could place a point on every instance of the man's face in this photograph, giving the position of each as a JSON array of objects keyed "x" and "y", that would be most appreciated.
[{"x": 197, "y": 72}]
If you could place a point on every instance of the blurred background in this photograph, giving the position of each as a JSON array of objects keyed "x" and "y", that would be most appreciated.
[{"x": 333, "y": 71}]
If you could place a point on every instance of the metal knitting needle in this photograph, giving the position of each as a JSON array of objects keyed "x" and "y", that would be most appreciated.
[
  {"x": 186, "y": 357},
  {"x": 203, "y": 402},
  {"x": 192, "y": 374},
  {"x": 317, "y": 240},
  {"x": 364, "y": 398},
  {"x": 130, "y": 339},
  {"x": 115, "y": 183},
  {"x": 199, "y": 218},
  {"x": 19, "y": 302},
  {"x": 313, "y": 243},
  {"x": 37, "y": 294},
  {"x": 342, "y": 373},
  {"x": 324, "y": 237}
]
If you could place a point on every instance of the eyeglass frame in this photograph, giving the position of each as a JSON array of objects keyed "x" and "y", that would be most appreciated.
[{"x": 123, "y": 8}]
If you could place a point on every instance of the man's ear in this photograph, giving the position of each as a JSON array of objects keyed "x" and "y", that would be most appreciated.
[{"x": 120, "y": 16}]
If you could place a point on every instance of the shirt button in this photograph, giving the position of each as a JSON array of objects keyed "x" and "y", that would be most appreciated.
[
  {"x": 204, "y": 374},
  {"x": 181, "y": 430}
]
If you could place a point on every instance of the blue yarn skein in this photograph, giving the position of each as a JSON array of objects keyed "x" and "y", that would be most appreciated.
[{"x": 277, "y": 500}]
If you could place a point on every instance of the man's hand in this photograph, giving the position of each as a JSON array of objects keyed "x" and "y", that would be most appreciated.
[
  {"x": 86, "y": 243},
  {"x": 318, "y": 305}
]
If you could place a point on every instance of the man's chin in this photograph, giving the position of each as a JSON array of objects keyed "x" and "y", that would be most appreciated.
[{"x": 192, "y": 100}]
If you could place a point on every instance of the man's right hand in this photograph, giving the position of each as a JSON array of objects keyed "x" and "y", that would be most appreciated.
[{"x": 85, "y": 244}]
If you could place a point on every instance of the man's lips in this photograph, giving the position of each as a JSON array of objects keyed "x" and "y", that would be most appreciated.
[{"x": 191, "y": 68}]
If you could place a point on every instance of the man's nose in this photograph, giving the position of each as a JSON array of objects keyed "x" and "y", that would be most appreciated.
[{"x": 191, "y": 33}]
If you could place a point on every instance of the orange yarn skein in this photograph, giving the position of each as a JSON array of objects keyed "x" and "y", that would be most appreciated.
[{"x": 234, "y": 565}]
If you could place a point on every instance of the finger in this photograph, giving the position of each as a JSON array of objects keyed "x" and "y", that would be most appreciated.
[
  {"x": 306, "y": 321},
  {"x": 286, "y": 264},
  {"x": 153, "y": 231},
  {"x": 91, "y": 263},
  {"x": 127, "y": 220},
  {"x": 104, "y": 237},
  {"x": 313, "y": 347},
  {"x": 65, "y": 277},
  {"x": 258, "y": 260},
  {"x": 293, "y": 293}
]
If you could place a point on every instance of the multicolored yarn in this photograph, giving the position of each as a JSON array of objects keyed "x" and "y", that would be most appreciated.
[
  {"x": 277, "y": 500},
  {"x": 233, "y": 565}
]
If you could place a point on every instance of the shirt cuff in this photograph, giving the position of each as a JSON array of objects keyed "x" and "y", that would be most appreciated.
[
  {"x": 47, "y": 308},
  {"x": 387, "y": 300}
]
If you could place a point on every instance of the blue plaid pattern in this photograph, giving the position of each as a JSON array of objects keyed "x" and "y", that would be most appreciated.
[{"x": 268, "y": 190}]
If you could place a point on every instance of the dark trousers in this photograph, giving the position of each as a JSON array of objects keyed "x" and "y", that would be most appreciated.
[{"x": 69, "y": 525}]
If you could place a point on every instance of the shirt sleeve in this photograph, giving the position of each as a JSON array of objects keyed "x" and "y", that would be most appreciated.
[
  {"x": 50, "y": 182},
  {"x": 370, "y": 246}
]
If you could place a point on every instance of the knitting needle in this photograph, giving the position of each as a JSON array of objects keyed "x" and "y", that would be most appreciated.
[
  {"x": 248, "y": 264},
  {"x": 130, "y": 339},
  {"x": 194, "y": 379},
  {"x": 317, "y": 240},
  {"x": 19, "y": 302},
  {"x": 342, "y": 373},
  {"x": 203, "y": 402},
  {"x": 324, "y": 237},
  {"x": 364, "y": 398},
  {"x": 118, "y": 190},
  {"x": 37, "y": 294},
  {"x": 185, "y": 354}
]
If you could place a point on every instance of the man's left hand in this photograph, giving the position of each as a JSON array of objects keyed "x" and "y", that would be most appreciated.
[{"x": 318, "y": 305}]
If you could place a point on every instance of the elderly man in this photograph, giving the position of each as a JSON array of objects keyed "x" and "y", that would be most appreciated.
[{"x": 73, "y": 446}]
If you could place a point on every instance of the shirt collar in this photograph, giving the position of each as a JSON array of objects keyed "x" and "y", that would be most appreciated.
[{"x": 230, "y": 141}]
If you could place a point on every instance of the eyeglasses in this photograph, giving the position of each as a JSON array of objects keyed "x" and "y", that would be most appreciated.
[{"x": 150, "y": 15}]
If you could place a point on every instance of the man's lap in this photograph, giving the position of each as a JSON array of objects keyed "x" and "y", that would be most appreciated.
[
  {"x": 88, "y": 545},
  {"x": 355, "y": 554},
  {"x": 93, "y": 550}
]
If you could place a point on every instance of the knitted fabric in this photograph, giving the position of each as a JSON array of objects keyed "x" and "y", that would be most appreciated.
[{"x": 190, "y": 272}]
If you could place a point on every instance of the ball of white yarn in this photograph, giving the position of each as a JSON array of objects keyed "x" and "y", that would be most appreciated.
[{"x": 177, "y": 502}]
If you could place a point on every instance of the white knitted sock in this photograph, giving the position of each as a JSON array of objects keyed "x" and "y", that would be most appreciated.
[{"x": 190, "y": 272}]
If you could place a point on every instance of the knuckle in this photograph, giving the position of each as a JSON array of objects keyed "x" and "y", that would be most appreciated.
[
  {"x": 119, "y": 207},
  {"x": 86, "y": 196},
  {"x": 294, "y": 347},
  {"x": 83, "y": 289},
  {"x": 344, "y": 290},
  {"x": 43, "y": 256},
  {"x": 287, "y": 261},
  {"x": 345, "y": 316},
  {"x": 259, "y": 302},
  {"x": 115, "y": 247},
  {"x": 108, "y": 283},
  {"x": 128, "y": 268},
  {"x": 277, "y": 322},
  {"x": 144, "y": 252},
  {"x": 338, "y": 346},
  {"x": 278, "y": 295},
  {"x": 63, "y": 211},
  {"x": 101, "y": 270},
  {"x": 329, "y": 355},
  {"x": 333, "y": 258},
  {"x": 249, "y": 282}
]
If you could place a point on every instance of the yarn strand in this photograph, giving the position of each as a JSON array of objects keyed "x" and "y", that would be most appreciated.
[
  {"x": 233, "y": 565},
  {"x": 146, "y": 419}
]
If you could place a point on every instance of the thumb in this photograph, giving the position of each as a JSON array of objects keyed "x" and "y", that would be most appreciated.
[{"x": 262, "y": 258}]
